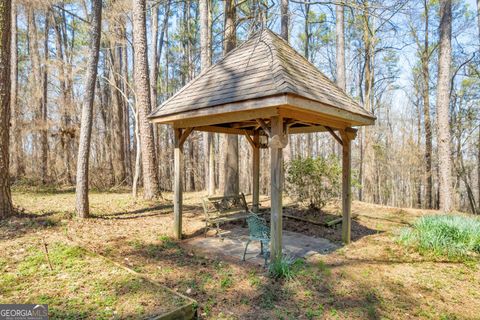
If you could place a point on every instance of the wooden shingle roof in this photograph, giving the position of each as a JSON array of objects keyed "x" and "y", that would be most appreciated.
[{"x": 263, "y": 66}]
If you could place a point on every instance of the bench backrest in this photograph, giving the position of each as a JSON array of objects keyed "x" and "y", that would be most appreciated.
[
  {"x": 223, "y": 205},
  {"x": 258, "y": 228}
]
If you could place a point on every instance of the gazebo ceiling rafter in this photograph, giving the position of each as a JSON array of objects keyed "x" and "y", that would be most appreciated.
[{"x": 264, "y": 88}]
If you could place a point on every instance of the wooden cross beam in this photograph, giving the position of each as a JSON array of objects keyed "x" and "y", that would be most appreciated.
[{"x": 264, "y": 126}]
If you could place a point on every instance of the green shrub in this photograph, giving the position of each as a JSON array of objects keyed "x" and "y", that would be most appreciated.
[
  {"x": 314, "y": 181},
  {"x": 451, "y": 235}
]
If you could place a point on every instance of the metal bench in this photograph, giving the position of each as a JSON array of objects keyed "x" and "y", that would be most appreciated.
[{"x": 223, "y": 209}]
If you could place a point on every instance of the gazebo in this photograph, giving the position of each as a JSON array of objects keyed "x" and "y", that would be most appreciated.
[{"x": 264, "y": 88}]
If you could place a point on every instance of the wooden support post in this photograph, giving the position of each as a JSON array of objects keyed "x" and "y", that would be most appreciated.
[
  {"x": 256, "y": 172},
  {"x": 347, "y": 136},
  {"x": 211, "y": 164},
  {"x": 276, "y": 184},
  {"x": 178, "y": 185}
]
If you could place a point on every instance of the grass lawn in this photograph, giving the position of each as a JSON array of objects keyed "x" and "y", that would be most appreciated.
[
  {"x": 375, "y": 277},
  {"x": 80, "y": 284}
]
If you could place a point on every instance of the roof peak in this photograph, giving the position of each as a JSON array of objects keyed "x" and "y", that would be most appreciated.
[{"x": 264, "y": 65}]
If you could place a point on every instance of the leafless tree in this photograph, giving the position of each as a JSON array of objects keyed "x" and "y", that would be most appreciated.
[
  {"x": 18, "y": 166},
  {"x": 231, "y": 182},
  {"x": 142, "y": 99},
  {"x": 87, "y": 111},
  {"x": 205, "y": 62},
  {"x": 285, "y": 19},
  {"x": 340, "y": 46},
  {"x": 5, "y": 24},
  {"x": 443, "y": 105}
]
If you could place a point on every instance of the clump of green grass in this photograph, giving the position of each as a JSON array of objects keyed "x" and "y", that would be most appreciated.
[
  {"x": 453, "y": 236},
  {"x": 285, "y": 268},
  {"x": 167, "y": 242}
]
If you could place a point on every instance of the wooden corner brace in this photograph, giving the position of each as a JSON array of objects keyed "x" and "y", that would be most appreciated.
[
  {"x": 250, "y": 140},
  {"x": 339, "y": 140},
  {"x": 181, "y": 135}
]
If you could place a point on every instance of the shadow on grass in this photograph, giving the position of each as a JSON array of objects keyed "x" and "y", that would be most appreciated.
[
  {"x": 23, "y": 223},
  {"x": 318, "y": 289},
  {"x": 56, "y": 189},
  {"x": 395, "y": 221},
  {"x": 43, "y": 190},
  {"x": 143, "y": 212},
  {"x": 319, "y": 229}
]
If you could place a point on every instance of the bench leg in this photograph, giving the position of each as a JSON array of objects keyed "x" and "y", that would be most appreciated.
[
  {"x": 206, "y": 229},
  {"x": 265, "y": 255},
  {"x": 261, "y": 247},
  {"x": 245, "y": 252}
]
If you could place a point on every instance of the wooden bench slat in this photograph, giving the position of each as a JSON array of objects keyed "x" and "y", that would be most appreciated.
[
  {"x": 219, "y": 209},
  {"x": 230, "y": 218}
]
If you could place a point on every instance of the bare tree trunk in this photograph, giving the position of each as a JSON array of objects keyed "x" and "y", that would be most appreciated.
[
  {"x": 418, "y": 171},
  {"x": 6, "y": 208},
  {"x": 44, "y": 116},
  {"x": 190, "y": 170},
  {"x": 478, "y": 18},
  {"x": 63, "y": 131},
  {"x": 163, "y": 32},
  {"x": 426, "y": 111},
  {"x": 306, "y": 53},
  {"x": 368, "y": 184},
  {"x": 231, "y": 185},
  {"x": 443, "y": 105},
  {"x": 341, "y": 79},
  {"x": 107, "y": 118},
  {"x": 118, "y": 145},
  {"x": 153, "y": 58},
  {"x": 87, "y": 112},
  {"x": 138, "y": 158},
  {"x": 306, "y": 30},
  {"x": 285, "y": 18},
  {"x": 463, "y": 174},
  {"x": 158, "y": 130},
  {"x": 17, "y": 145},
  {"x": 35, "y": 81},
  {"x": 340, "y": 47},
  {"x": 205, "y": 62},
  {"x": 478, "y": 143},
  {"x": 142, "y": 93},
  {"x": 126, "y": 89},
  {"x": 154, "y": 74}
]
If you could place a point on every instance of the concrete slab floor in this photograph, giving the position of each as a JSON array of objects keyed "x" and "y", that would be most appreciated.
[{"x": 232, "y": 243}]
